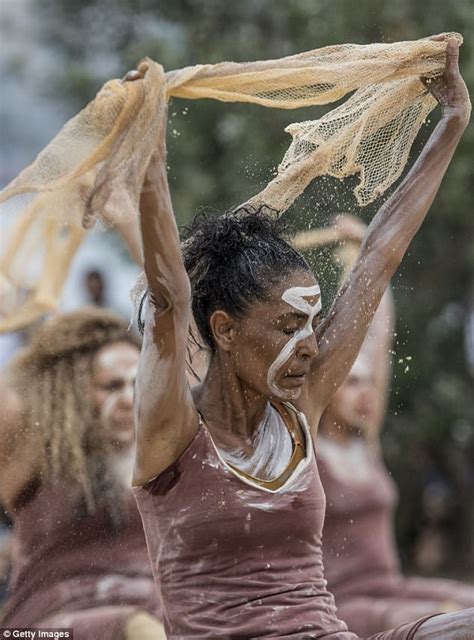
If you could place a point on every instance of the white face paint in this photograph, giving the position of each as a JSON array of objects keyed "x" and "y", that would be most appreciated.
[
  {"x": 115, "y": 373},
  {"x": 111, "y": 405},
  {"x": 296, "y": 298}
]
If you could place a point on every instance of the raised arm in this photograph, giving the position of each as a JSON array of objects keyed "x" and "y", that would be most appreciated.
[
  {"x": 165, "y": 416},
  {"x": 341, "y": 334}
]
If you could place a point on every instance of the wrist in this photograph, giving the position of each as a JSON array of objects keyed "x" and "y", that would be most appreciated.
[{"x": 458, "y": 113}]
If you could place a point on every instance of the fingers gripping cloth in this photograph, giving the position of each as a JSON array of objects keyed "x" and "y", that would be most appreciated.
[{"x": 95, "y": 166}]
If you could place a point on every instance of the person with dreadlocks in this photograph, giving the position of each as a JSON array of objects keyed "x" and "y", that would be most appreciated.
[
  {"x": 66, "y": 457},
  {"x": 360, "y": 554},
  {"x": 225, "y": 475}
]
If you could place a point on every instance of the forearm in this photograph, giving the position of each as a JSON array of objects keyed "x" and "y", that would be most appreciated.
[
  {"x": 167, "y": 280},
  {"x": 341, "y": 335},
  {"x": 398, "y": 220},
  {"x": 449, "y": 626}
]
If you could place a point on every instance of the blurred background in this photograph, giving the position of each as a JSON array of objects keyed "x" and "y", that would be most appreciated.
[{"x": 55, "y": 55}]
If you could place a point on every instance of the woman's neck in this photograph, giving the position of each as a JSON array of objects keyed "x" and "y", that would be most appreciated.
[{"x": 228, "y": 408}]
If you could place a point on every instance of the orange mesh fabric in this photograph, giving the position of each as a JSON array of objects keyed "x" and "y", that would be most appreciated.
[{"x": 96, "y": 164}]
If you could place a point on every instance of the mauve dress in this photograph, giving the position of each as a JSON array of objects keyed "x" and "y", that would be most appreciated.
[
  {"x": 234, "y": 560},
  {"x": 72, "y": 571},
  {"x": 360, "y": 554}
]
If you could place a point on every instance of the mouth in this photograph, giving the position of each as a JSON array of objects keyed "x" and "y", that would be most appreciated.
[
  {"x": 296, "y": 377},
  {"x": 124, "y": 422}
]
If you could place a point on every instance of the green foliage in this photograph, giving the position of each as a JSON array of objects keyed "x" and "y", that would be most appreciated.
[{"x": 221, "y": 154}]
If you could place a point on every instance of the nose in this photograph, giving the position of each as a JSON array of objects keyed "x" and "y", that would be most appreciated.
[
  {"x": 308, "y": 347},
  {"x": 366, "y": 393},
  {"x": 126, "y": 397}
]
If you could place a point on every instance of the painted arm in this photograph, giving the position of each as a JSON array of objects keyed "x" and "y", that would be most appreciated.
[
  {"x": 165, "y": 416},
  {"x": 388, "y": 236}
]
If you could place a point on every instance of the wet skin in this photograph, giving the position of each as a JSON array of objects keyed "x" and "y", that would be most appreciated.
[
  {"x": 234, "y": 395},
  {"x": 233, "y": 398}
]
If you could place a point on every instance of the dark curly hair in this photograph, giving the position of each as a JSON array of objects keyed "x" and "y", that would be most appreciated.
[{"x": 232, "y": 260}]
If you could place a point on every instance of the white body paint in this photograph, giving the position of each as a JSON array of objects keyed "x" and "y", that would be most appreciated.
[
  {"x": 296, "y": 298},
  {"x": 273, "y": 447},
  {"x": 292, "y": 485},
  {"x": 122, "y": 465}
]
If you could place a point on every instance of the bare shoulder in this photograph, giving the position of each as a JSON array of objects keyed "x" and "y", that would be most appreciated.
[{"x": 166, "y": 417}]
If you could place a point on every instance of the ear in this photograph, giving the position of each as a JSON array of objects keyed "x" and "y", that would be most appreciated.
[{"x": 223, "y": 327}]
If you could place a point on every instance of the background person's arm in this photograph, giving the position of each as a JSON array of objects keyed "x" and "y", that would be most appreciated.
[{"x": 376, "y": 348}]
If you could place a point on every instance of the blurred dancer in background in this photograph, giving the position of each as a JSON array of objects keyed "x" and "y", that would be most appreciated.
[
  {"x": 360, "y": 554},
  {"x": 79, "y": 557}
]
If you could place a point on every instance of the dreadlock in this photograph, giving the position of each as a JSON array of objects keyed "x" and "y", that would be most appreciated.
[{"x": 53, "y": 376}]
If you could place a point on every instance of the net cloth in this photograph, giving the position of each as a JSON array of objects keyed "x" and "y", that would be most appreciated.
[{"x": 96, "y": 164}]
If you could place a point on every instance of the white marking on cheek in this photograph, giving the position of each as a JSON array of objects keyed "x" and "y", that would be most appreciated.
[
  {"x": 126, "y": 392},
  {"x": 109, "y": 406},
  {"x": 129, "y": 383},
  {"x": 296, "y": 298}
]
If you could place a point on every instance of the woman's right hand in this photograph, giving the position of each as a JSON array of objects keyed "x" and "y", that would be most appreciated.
[{"x": 449, "y": 89}]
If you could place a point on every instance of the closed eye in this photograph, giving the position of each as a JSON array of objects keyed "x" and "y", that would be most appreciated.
[{"x": 114, "y": 385}]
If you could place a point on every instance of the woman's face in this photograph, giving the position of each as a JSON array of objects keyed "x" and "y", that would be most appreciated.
[
  {"x": 113, "y": 377},
  {"x": 275, "y": 342}
]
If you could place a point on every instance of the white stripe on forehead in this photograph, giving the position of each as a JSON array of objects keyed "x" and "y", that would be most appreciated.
[{"x": 296, "y": 298}]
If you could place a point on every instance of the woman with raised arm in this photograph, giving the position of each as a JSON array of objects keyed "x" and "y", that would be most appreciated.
[
  {"x": 79, "y": 556},
  {"x": 225, "y": 474},
  {"x": 360, "y": 555}
]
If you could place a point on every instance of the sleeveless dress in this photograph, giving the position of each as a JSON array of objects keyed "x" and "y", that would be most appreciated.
[
  {"x": 232, "y": 559},
  {"x": 360, "y": 553},
  {"x": 75, "y": 571}
]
